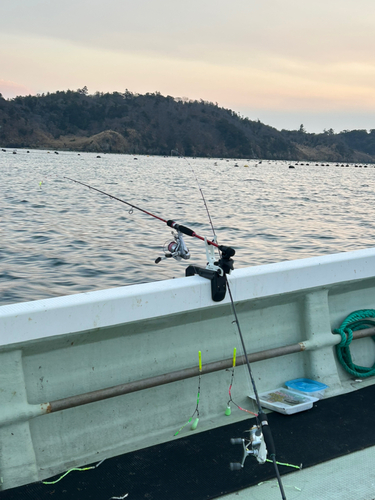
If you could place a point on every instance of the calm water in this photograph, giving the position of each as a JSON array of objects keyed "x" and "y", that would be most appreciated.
[{"x": 59, "y": 238}]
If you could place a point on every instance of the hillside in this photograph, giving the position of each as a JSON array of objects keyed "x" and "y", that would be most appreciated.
[{"x": 155, "y": 124}]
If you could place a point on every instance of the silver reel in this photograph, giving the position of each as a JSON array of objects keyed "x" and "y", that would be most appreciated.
[
  {"x": 255, "y": 446},
  {"x": 176, "y": 249}
]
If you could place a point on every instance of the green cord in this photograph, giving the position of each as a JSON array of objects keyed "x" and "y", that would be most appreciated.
[
  {"x": 70, "y": 470},
  {"x": 357, "y": 320},
  {"x": 287, "y": 465}
]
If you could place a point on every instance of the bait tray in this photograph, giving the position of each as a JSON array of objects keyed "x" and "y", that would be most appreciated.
[{"x": 286, "y": 401}]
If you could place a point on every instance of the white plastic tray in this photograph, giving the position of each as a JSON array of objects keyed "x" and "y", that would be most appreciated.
[{"x": 286, "y": 401}]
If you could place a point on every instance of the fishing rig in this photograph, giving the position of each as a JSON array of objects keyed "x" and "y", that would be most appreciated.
[
  {"x": 260, "y": 442},
  {"x": 196, "y": 411}
]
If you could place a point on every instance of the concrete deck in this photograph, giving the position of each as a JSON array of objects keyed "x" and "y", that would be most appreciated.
[{"x": 351, "y": 477}]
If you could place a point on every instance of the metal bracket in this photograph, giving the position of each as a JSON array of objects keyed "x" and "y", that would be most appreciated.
[{"x": 215, "y": 271}]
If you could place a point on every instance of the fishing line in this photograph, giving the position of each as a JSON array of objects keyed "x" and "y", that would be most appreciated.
[
  {"x": 228, "y": 408},
  {"x": 202, "y": 195}
]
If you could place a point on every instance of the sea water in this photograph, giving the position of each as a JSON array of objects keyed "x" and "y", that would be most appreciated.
[{"x": 59, "y": 238}]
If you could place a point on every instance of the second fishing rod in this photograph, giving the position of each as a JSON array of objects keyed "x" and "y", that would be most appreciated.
[{"x": 260, "y": 441}]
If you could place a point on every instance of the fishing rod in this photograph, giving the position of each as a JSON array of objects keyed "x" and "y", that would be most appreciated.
[
  {"x": 260, "y": 439},
  {"x": 215, "y": 270}
]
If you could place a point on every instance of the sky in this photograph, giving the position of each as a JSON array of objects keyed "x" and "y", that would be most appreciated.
[{"x": 284, "y": 62}]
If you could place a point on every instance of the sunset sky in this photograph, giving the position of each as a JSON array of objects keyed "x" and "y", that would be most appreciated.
[{"x": 285, "y": 62}]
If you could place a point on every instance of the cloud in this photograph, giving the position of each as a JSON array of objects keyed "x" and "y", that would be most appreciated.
[
  {"x": 209, "y": 31},
  {"x": 281, "y": 55},
  {"x": 10, "y": 89},
  {"x": 270, "y": 82}
]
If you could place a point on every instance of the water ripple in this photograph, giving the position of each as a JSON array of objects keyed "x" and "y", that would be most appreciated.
[{"x": 59, "y": 238}]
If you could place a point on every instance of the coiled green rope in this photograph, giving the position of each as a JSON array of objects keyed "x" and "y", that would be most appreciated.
[{"x": 357, "y": 320}]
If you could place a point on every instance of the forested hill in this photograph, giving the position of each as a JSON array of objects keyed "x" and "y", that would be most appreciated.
[{"x": 154, "y": 124}]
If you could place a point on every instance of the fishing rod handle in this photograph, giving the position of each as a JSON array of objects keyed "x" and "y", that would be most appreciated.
[
  {"x": 179, "y": 227},
  {"x": 227, "y": 252},
  {"x": 267, "y": 434}
]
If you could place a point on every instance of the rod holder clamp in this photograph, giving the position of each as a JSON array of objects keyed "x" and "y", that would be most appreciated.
[
  {"x": 218, "y": 281},
  {"x": 215, "y": 270}
]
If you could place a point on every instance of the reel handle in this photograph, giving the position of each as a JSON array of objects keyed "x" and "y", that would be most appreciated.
[
  {"x": 235, "y": 466},
  {"x": 159, "y": 259},
  {"x": 236, "y": 441}
]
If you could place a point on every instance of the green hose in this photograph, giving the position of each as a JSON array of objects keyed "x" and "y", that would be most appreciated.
[{"x": 357, "y": 320}]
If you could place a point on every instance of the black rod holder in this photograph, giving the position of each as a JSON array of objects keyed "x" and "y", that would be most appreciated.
[{"x": 218, "y": 282}]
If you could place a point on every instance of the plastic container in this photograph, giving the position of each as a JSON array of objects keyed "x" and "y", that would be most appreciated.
[
  {"x": 286, "y": 401},
  {"x": 307, "y": 386}
]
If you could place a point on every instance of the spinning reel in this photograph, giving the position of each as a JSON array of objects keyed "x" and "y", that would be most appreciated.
[
  {"x": 255, "y": 446},
  {"x": 176, "y": 248}
]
